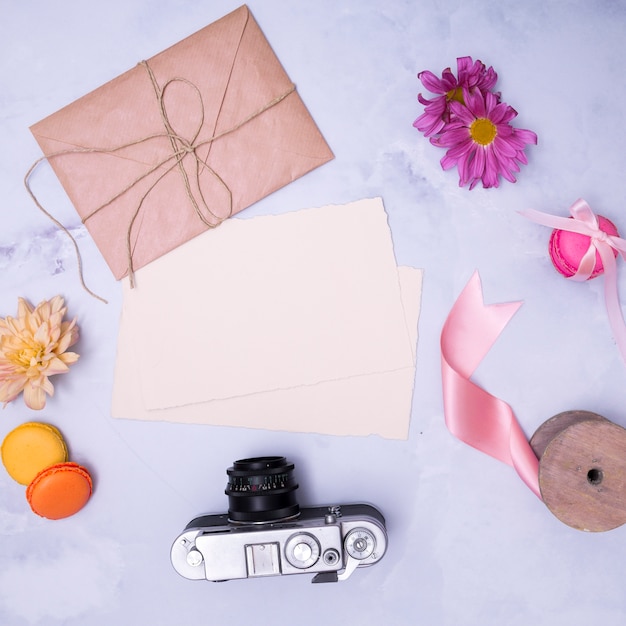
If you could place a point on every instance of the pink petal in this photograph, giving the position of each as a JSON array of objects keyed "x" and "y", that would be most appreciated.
[
  {"x": 490, "y": 103},
  {"x": 505, "y": 131},
  {"x": 462, "y": 112},
  {"x": 464, "y": 68},
  {"x": 521, "y": 157},
  {"x": 490, "y": 177},
  {"x": 502, "y": 113},
  {"x": 448, "y": 162},
  {"x": 488, "y": 80},
  {"x": 431, "y": 82},
  {"x": 527, "y": 136},
  {"x": 475, "y": 102},
  {"x": 462, "y": 149},
  {"x": 429, "y": 124},
  {"x": 425, "y": 101},
  {"x": 503, "y": 147},
  {"x": 454, "y": 136},
  {"x": 448, "y": 80},
  {"x": 507, "y": 174},
  {"x": 463, "y": 64},
  {"x": 505, "y": 167},
  {"x": 478, "y": 163},
  {"x": 464, "y": 165},
  {"x": 435, "y": 105}
]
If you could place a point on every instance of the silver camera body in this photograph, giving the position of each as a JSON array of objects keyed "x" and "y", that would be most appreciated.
[{"x": 276, "y": 537}]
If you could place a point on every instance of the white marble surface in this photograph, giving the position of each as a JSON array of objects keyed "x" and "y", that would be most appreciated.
[{"x": 469, "y": 543}]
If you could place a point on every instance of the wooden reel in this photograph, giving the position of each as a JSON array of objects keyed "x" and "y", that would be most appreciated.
[{"x": 582, "y": 469}]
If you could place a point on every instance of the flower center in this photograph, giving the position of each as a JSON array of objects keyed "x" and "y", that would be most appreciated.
[
  {"x": 28, "y": 357},
  {"x": 483, "y": 131},
  {"x": 455, "y": 94}
]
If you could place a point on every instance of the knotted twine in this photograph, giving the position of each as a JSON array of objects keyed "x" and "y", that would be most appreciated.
[{"x": 182, "y": 147}]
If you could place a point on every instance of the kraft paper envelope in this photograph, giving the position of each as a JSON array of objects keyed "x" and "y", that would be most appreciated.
[
  {"x": 159, "y": 177},
  {"x": 299, "y": 322}
]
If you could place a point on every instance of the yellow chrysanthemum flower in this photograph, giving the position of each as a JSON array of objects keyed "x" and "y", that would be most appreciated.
[{"x": 33, "y": 347}]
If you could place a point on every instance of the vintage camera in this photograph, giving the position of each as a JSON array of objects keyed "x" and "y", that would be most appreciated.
[{"x": 266, "y": 533}]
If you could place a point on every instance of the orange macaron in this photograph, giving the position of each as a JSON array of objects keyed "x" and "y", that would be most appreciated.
[{"x": 60, "y": 490}]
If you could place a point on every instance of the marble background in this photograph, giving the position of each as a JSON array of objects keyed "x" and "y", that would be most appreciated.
[{"x": 469, "y": 543}]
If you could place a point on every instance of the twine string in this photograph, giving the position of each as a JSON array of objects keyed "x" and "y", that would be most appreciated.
[
  {"x": 181, "y": 148},
  {"x": 59, "y": 225}
]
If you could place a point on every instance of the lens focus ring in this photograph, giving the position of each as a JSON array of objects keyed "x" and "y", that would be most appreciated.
[{"x": 261, "y": 489}]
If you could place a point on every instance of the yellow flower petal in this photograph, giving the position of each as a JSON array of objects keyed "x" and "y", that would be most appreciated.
[
  {"x": 69, "y": 336},
  {"x": 43, "y": 310},
  {"x": 33, "y": 347},
  {"x": 46, "y": 385},
  {"x": 69, "y": 357},
  {"x": 56, "y": 366},
  {"x": 10, "y": 389},
  {"x": 42, "y": 334},
  {"x": 23, "y": 308},
  {"x": 34, "y": 397},
  {"x": 56, "y": 304}
]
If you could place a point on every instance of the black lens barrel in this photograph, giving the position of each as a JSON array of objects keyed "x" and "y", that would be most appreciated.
[{"x": 261, "y": 489}]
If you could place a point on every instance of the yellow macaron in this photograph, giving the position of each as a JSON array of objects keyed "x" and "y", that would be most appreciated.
[{"x": 30, "y": 448}]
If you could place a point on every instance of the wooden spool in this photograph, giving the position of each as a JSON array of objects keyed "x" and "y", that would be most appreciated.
[{"x": 582, "y": 469}]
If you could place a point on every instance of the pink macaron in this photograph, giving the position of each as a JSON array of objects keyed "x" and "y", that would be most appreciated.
[{"x": 567, "y": 249}]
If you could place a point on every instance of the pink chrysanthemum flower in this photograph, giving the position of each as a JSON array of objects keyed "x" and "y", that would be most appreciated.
[
  {"x": 481, "y": 142},
  {"x": 33, "y": 346},
  {"x": 471, "y": 75}
]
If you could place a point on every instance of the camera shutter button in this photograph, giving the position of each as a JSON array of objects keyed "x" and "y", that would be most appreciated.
[{"x": 302, "y": 550}]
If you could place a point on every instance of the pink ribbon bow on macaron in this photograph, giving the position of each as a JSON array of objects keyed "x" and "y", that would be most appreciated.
[{"x": 584, "y": 222}]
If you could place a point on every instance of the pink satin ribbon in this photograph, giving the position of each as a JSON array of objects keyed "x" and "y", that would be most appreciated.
[
  {"x": 585, "y": 222},
  {"x": 473, "y": 415}
]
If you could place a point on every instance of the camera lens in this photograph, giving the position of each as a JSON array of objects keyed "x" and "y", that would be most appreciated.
[{"x": 261, "y": 489}]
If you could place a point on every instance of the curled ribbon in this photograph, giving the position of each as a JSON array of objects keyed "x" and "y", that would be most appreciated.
[
  {"x": 585, "y": 222},
  {"x": 181, "y": 148},
  {"x": 473, "y": 415}
]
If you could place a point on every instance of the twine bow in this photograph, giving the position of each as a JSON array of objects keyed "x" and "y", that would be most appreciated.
[
  {"x": 181, "y": 148},
  {"x": 585, "y": 222}
]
